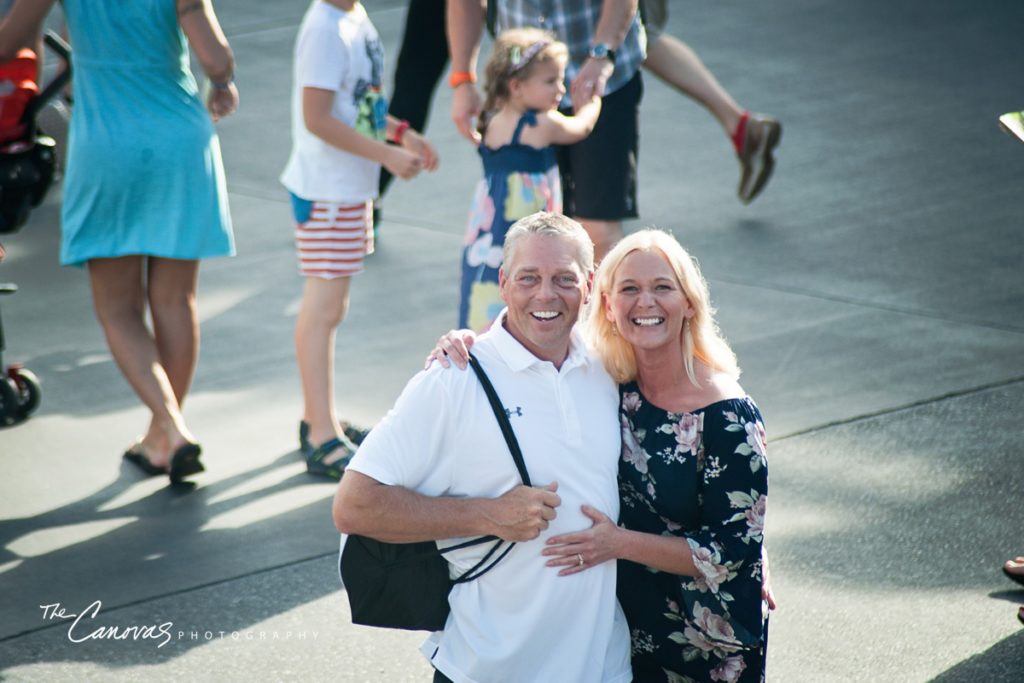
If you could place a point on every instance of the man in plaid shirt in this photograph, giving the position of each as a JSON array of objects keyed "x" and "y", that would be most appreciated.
[{"x": 606, "y": 50}]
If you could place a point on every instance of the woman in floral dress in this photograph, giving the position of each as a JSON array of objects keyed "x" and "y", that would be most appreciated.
[{"x": 693, "y": 476}]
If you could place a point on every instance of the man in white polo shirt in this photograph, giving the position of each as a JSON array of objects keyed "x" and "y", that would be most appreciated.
[{"x": 437, "y": 467}]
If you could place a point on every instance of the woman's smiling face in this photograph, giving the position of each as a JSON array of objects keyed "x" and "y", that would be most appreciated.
[{"x": 646, "y": 302}]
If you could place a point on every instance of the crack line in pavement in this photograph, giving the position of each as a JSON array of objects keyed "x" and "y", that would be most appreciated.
[
  {"x": 180, "y": 591},
  {"x": 907, "y": 406}
]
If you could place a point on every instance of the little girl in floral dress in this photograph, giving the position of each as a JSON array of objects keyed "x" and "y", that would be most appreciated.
[{"x": 520, "y": 125}]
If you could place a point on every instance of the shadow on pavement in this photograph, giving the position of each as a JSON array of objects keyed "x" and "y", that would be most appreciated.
[
  {"x": 142, "y": 540},
  {"x": 1001, "y": 662},
  {"x": 914, "y": 499}
]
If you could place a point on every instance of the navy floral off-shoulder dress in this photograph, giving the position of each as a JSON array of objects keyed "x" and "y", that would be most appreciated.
[{"x": 702, "y": 476}]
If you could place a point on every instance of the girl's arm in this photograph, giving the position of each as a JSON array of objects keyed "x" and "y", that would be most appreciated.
[
  {"x": 21, "y": 26},
  {"x": 316, "y": 114},
  {"x": 566, "y": 130},
  {"x": 211, "y": 48}
]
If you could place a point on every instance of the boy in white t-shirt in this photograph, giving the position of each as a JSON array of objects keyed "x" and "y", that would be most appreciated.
[{"x": 340, "y": 127}]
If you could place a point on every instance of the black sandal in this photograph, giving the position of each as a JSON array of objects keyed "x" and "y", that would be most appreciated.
[
  {"x": 351, "y": 432},
  {"x": 315, "y": 460},
  {"x": 185, "y": 462},
  {"x": 139, "y": 459}
]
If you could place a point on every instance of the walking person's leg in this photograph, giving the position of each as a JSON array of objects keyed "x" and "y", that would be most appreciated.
[
  {"x": 753, "y": 136},
  {"x": 421, "y": 62},
  {"x": 675, "y": 62},
  {"x": 172, "y": 305},
  {"x": 120, "y": 300}
]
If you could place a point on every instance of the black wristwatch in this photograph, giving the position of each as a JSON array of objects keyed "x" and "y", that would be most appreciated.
[{"x": 602, "y": 51}]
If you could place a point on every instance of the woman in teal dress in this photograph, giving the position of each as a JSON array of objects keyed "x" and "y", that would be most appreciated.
[
  {"x": 144, "y": 190},
  {"x": 693, "y": 479}
]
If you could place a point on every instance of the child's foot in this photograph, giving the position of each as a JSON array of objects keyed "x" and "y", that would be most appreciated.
[
  {"x": 351, "y": 432},
  {"x": 330, "y": 458},
  {"x": 354, "y": 434}
]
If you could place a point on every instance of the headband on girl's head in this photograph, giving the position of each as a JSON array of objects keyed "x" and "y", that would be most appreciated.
[{"x": 519, "y": 58}]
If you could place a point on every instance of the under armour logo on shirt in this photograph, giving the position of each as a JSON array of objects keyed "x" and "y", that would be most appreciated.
[{"x": 518, "y": 411}]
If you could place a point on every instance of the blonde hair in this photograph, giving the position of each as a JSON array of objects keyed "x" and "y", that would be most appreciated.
[
  {"x": 552, "y": 225},
  {"x": 504, "y": 64},
  {"x": 701, "y": 337}
]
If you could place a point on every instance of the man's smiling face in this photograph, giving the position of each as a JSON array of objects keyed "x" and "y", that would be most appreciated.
[{"x": 545, "y": 287}]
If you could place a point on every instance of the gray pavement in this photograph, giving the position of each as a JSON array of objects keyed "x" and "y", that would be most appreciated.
[{"x": 874, "y": 296}]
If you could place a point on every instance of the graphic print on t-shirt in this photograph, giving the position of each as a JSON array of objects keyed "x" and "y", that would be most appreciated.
[{"x": 371, "y": 105}]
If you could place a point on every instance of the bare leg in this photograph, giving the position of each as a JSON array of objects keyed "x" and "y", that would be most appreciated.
[
  {"x": 119, "y": 300},
  {"x": 172, "y": 305},
  {"x": 324, "y": 304},
  {"x": 604, "y": 235},
  {"x": 675, "y": 62}
]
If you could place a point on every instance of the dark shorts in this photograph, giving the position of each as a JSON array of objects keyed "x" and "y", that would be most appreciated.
[
  {"x": 599, "y": 172},
  {"x": 654, "y": 15}
]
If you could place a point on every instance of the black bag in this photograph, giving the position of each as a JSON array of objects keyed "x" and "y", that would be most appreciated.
[{"x": 406, "y": 585}]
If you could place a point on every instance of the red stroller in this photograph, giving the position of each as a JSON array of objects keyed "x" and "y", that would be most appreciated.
[{"x": 27, "y": 163}]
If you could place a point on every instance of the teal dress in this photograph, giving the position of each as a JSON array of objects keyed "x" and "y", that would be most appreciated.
[{"x": 143, "y": 172}]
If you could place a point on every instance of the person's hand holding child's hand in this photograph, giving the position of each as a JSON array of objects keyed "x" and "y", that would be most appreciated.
[{"x": 421, "y": 147}]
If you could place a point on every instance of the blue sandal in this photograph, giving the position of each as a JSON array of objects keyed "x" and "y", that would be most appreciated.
[
  {"x": 352, "y": 433},
  {"x": 315, "y": 460}
]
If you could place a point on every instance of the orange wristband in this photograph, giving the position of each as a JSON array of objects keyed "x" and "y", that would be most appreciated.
[{"x": 457, "y": 78}]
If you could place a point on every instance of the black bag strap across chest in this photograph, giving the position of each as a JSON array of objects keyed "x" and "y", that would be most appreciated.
[{"x": 486, "y": 563}]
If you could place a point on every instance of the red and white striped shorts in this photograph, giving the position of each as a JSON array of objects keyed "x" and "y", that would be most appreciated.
[{"x": 332, "y": 238}]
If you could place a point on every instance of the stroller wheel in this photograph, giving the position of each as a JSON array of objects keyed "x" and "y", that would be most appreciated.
[
  {"x": 9, "y": 404},
  {"x": 29, "y": 391}
]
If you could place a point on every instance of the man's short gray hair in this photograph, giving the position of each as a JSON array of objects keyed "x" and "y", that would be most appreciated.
[{"x": 553, "y": 225}]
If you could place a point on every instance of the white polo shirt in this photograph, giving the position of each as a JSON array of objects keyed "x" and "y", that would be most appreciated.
[{"x": 520, "y": 621}]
